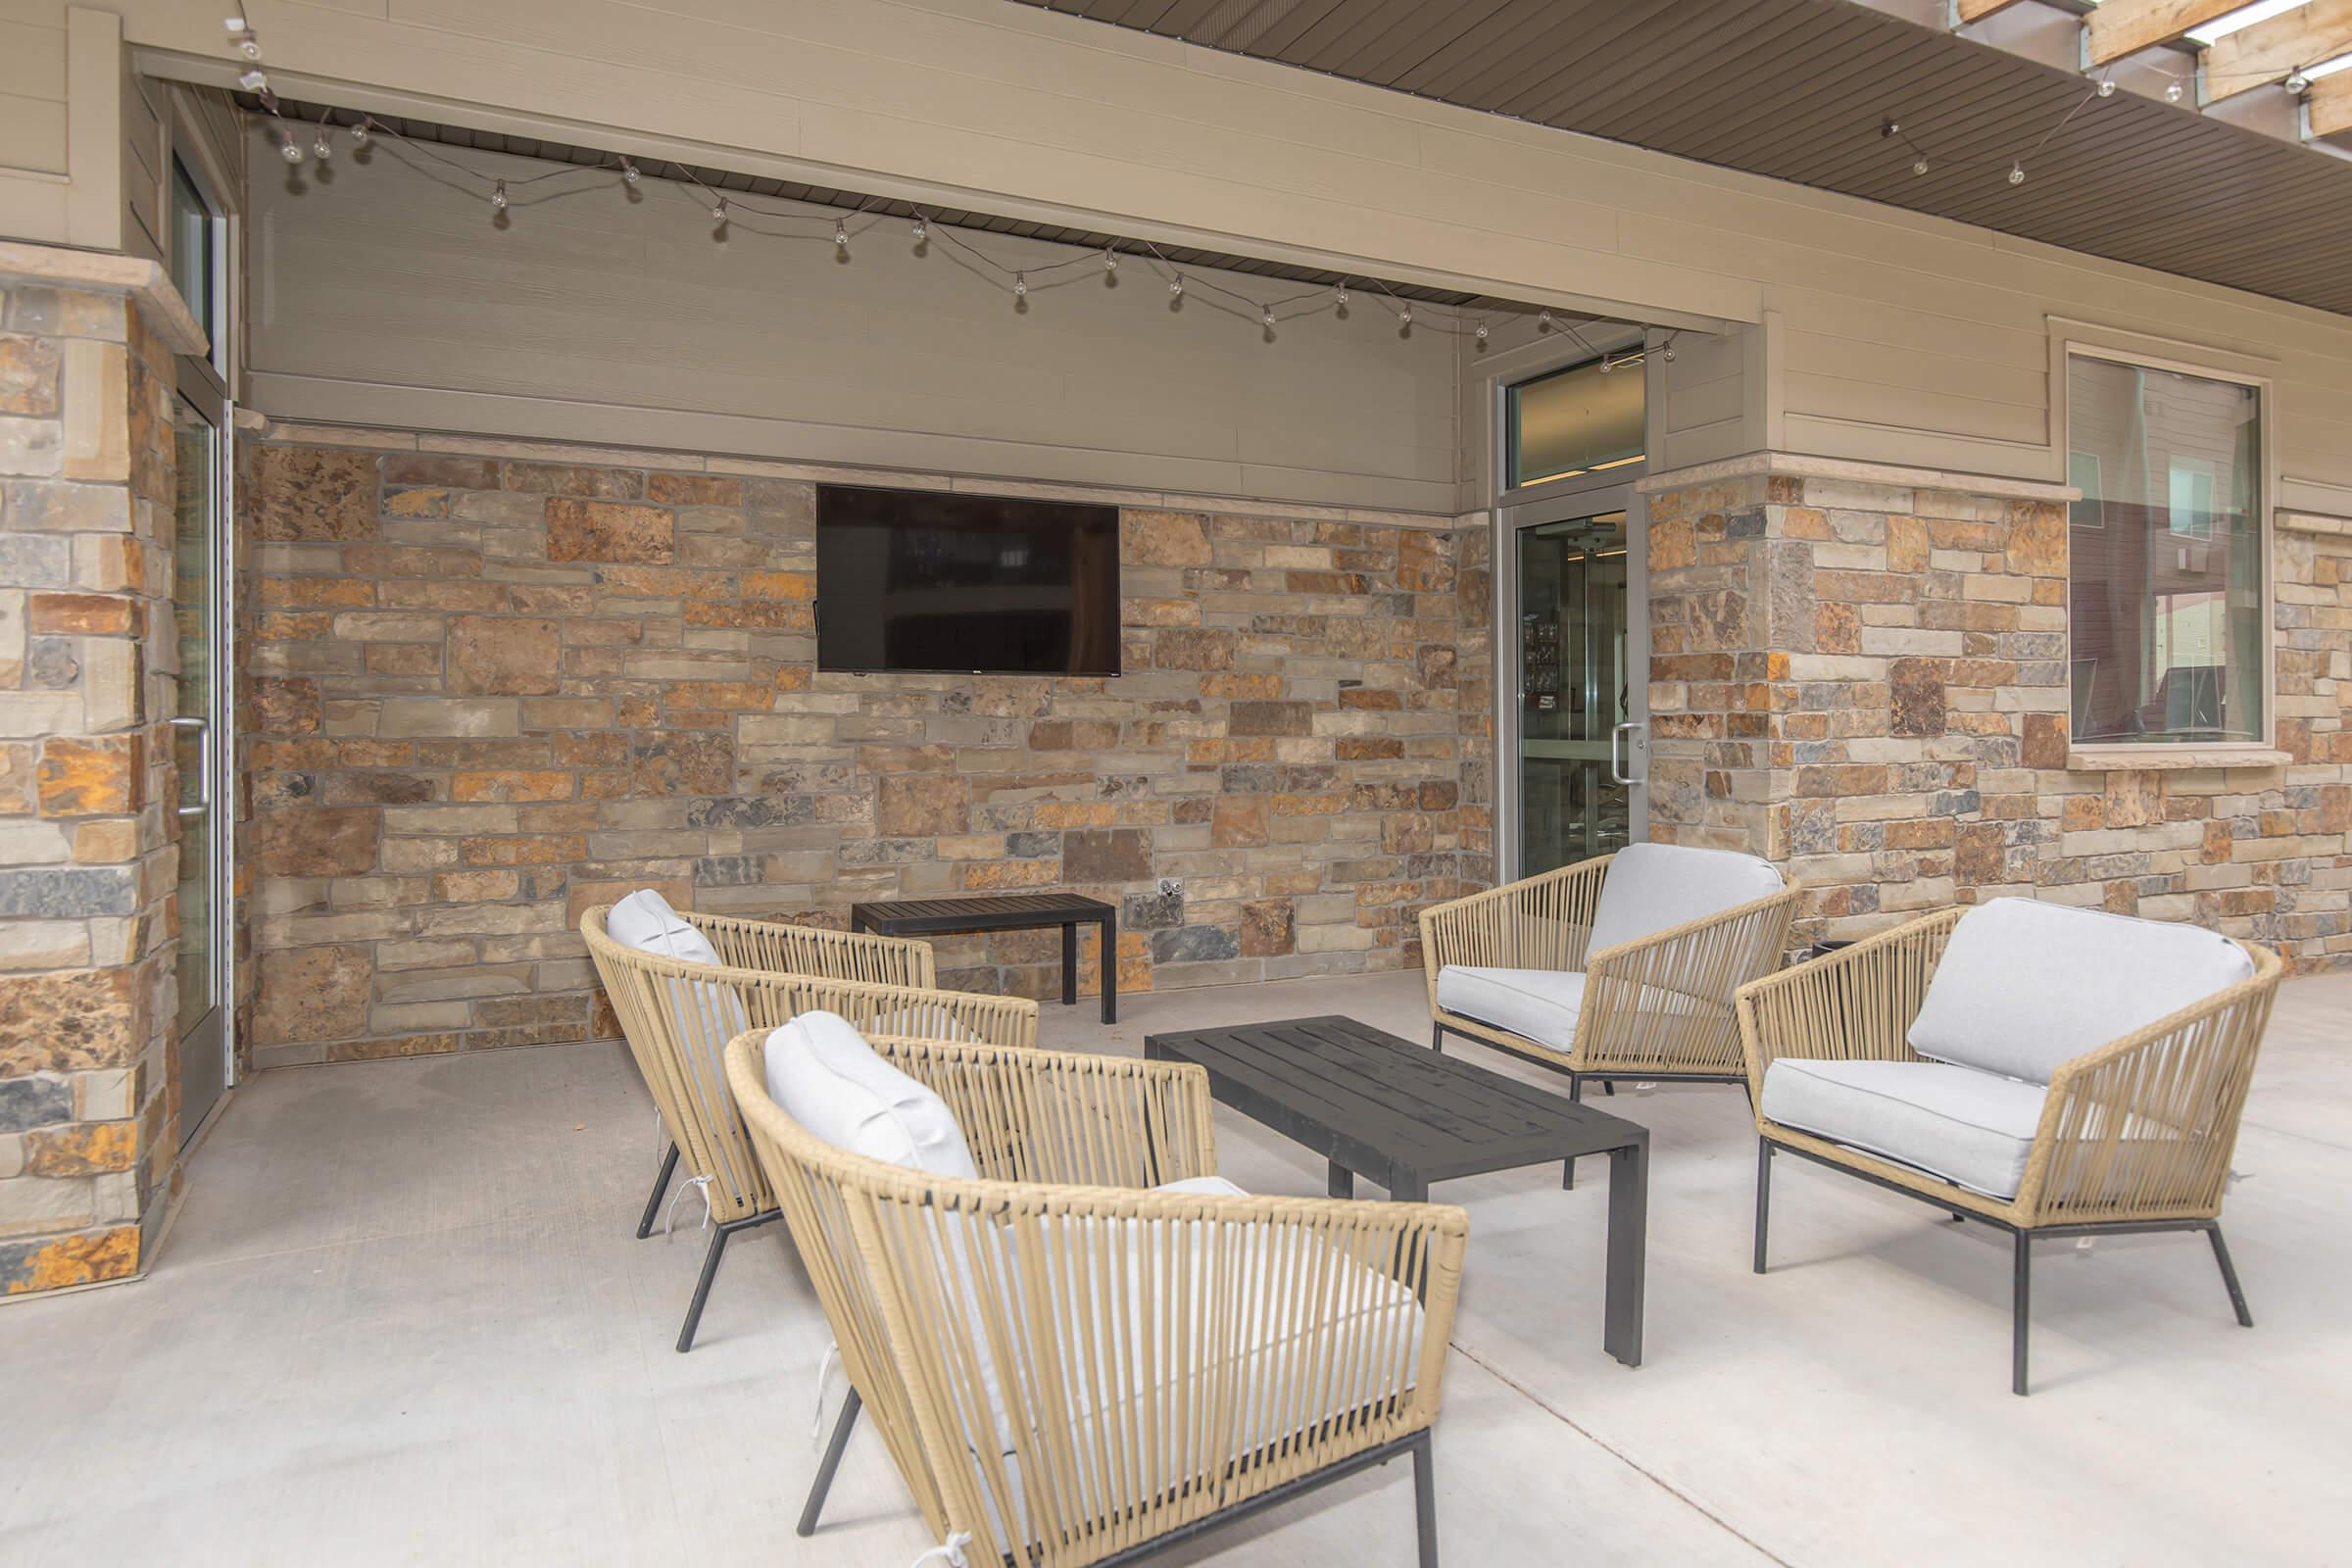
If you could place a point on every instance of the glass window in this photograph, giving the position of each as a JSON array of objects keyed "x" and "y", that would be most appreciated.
[
  {"x": 1573, "y": 421},
  {"x": 195, "y": 229},
  {"x": 2165, "y": 603}
]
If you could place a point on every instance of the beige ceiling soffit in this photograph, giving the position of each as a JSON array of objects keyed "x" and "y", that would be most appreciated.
[
  {"x": 2255, "y": 57},
  {"x": 2328, "y": 107},
  {"x": 1798, "y": 465},
  {"x": 2120, "y": 27},
  {"x": 108, "y": 272}
]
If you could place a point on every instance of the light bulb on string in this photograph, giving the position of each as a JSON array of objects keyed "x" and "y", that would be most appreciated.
[
  {"x": 1667, "y": 354},
  {"x": 498, "y": 197},
  {"x": 841, "y": 233},
  {"x": 1110, "y": 260},
  {"x": 287, "y": 147},
  {"x": 2172, "y": 91},
  {"x": 249, "y": 45},
  {"x": 1544, "y": 321},
  {"x": 1404, "y": 318},
  {"x": 2017, "y": 174},
  {"x": 1340, "y": 294},
  {"x": 2297, "y": 80},
  {"x": 359, "y": 135},
  {"x": 1020, "y": 285},
  {"x": 1481, "y": 332},
  {"x": 719, "y": 211},
  {"x": 2107, "y": 86},
  {"x": 920, "y": 230},
  {"x": 1607, "y": 364},
  {"x": 1919, "y": 167},
  {"x": 1265, "y": 318},
  {"x": 629, "y": 175},
  {"x": 320, "y": 148},
  {"x": 1176, "y": 286}
]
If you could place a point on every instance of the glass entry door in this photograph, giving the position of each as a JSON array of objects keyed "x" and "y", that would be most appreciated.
[
  {"x": 197, "y": 732},
  {"x": 1578, "y": 658}
]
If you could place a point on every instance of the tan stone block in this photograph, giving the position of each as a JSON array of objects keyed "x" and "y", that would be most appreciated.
[
  {"x": 2134, "y": 799},
  {"x": 312, "y": 993},
  {"x": 1268, "y": 928},
  {"x": 97, "y": 398},
  {"x": 32, "y": 945},
  {"x": 694, "y": 490},
  {"x": 33, "y": 448},
  {"x": 512, "y": 786},
  {"x": 987, "y": 876},
  {"x": 2046, "y": 741},
  {"x": 1238, "y": 822},
  {"x": 70, "y": 1020},
  {"x": 502, "y": 656},
  {"x": 387, "y": 1048},
  {"x": 29, "y": 375},
  {"x": 1164, "y": 539},
  {"x": 921, "y": 806}
]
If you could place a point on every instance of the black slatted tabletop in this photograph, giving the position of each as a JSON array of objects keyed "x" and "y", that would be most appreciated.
[
  {"x": 1014, "y": 911},
  {"x": 1403, "y": 1116}
]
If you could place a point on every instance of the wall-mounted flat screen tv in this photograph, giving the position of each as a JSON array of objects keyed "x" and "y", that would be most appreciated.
[{"x": 928, "y": 582}]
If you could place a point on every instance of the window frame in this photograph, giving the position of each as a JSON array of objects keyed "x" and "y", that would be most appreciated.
[{"x": 2151, "y": 354}]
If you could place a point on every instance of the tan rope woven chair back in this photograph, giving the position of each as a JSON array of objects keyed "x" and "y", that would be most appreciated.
[{"x": 1065, "y": 1365}]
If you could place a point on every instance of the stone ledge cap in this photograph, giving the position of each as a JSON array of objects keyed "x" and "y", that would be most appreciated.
[
  {"x": 109, "y": 272},
  {"x": 2171, "y": 759}
]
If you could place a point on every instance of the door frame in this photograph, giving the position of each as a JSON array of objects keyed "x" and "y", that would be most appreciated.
[
  {"x": 200, "y": 385},
  {"x": 1612, "y": 491}
]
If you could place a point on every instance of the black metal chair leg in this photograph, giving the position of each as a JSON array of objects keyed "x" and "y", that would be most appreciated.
[
  {"x": 830, "y": 1463},
  {"x": 1437, "y": 1037},
  {"x": 1763, "y": 1197},
  {"x": 1608, "y": 1088},
  {"x": 701, "y": 1289},
  {"x": 2021, "y": 1293},
  {"x": 1425, "y": 1502},
  {"x": 1576, "y": 1096},
  {"x": 2237, "y": 1297},
  {"x": 653, "y": 1205}
]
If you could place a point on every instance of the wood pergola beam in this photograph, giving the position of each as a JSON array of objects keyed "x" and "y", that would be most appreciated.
[
  {"x": 2120, "y": 27},
  {"x": 1977, "y": 10},
  {"x": 2257, "y": 56},
  {"x": 2328, "y": 107}
]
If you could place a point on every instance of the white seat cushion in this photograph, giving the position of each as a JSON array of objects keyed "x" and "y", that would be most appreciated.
[
  {"x": 645, "y": 921},
  {"x": 1538, "y": 1005},
  {"x": 1970, "y": 1127},
  {"x": 1651, "y": 888},
  {"x": 824, "y": 1076},
  {"x": 2024, "y": 986}
]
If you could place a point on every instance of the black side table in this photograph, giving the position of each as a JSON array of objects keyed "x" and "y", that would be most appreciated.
[{"x": 930, "y": 918}]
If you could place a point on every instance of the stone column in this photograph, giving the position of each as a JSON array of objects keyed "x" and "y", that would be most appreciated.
[{"x": 88, "y": 864}]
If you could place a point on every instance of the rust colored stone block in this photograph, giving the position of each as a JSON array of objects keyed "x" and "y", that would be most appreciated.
[
  {"x": 317, "y": 593},
  {"x": 792, "y": 585},
  {"x": 306, "y": 993},
  {"x": 694, "y": 490},
  {"x": 1837, "y": 629},
  {"x": 1268, "y": 928},
  {"x": 81, "y": 614},
  {"x": 1064, "y": 735},
  {"x": 1164, "y": 539},
  {"x": 81, "y": 1148},
  {"x": 1906, "y": 544},
  {"x": 83, "y": 1259},
  {"x": 2045, "y": 741},
  {"x": 480, "y": 887},
  {"x": 285, "y": 705},
  {"x": 991, "y": 876},
  {"x": 416, "y": 504},
  {"x": 103, "y": 777},
  {"x": 1916, "y": 687},
  {"x": 1111, "y": 855},
  {"x": 1242, "y": 685},
  {"x": 70, "y": 1020},
  {"x": 298, "y": 494},
  {"x": 2038, "y": 538},
  {"x": 2216, "y": 847},
  {"x": 317, "y": 841},
  {"x": 2134, "y": 799},
  {"x": 546, "y": 848},
  {"x": 29, "y": 375},
  {"x": 1424, "y": 560},
  {"x": 1194, "y": 650},
  {"x": 1979, "y": 856},
  {"x": 1672, "y": 544},
  {"x": 1270, "y": 719},
  {"x": 2081, "y": 814},
  {"x": 683, "y": 762},
  {"x": 1238, "y": 822},
  {"x": 444, "y": 469},
  {"x": 609, "y": 530},
  {"x": 384, "y": 1048},
  {"x": 922, "y": 805}
]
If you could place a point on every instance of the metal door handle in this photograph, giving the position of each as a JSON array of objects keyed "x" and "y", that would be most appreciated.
[
  {"x": 204, "y": 763},
  {"x": 1617, "y": 773}
]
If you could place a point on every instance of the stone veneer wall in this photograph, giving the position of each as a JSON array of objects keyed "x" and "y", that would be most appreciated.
[
  {"x": 89, "y": 1133},
  {"x": 1868, "y": 683},
  {"x": 494, "y": 686}
]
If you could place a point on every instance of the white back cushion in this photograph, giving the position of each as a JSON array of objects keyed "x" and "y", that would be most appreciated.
[
  {"x": 645, "y": 921},
  {"x": 2025, "y": 986},
  {"x": 826, "y": 1076},
  {"x": 1654, "y": 887}
]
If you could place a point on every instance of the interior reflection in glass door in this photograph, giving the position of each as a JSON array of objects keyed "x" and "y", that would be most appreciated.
[{"x": 1574, "y": 691}]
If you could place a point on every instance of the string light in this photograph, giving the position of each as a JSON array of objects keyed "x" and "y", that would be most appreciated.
[
  {"x": 629, "y": 173},
  {"x": 1265, "y": 318},
  {"x": 1891, "y": 129},
  {"x": 359, "y": 138},
  {"x": 841, "y": 233},
  {"x": 1480, "y": 333},
  {"x": 1404, "y": 318},
  {"x": 287, "y": 147},
  {"x": 1919, "y": 167},
  {"x": 921, "y": 232},
  {"x": 1176, "y": 285},
  {"x": 320, "y": 148},
  {"x": 2297, "y": 82},
  {"x": 1020, "y": 285},
  {"x": 497, "y": 196},
  {"x": 1110, "y": 260},
  {"x": 719, "y": 211},
  {"x": 1339, "y": 295},
  {"x": 2172, "y": 91},
  {"x": 2017, "y": 174}
]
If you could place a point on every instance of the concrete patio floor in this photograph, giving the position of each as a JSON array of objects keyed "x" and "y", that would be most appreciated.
[{"x": 401, "y": 1318}]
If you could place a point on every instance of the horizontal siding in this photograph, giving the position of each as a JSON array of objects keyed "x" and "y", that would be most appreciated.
[{"x": 593, "y": 305}]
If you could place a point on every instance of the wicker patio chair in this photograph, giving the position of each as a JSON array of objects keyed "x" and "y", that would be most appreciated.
[
  {"x": 2046, "y": 1071},
  {"x": 677, "y": 1016},
  {"x": 1623, "y": 967},
  {"x": 1070, "y": 1367}
]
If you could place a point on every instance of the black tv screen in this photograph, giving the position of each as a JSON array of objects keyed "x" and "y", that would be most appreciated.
[{"x": 926, "y": 582}]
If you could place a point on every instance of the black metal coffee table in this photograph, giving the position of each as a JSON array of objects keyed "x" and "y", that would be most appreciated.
[
  {"x": 930, "y": 918},
  {"x": 1402, "y": 1115}
]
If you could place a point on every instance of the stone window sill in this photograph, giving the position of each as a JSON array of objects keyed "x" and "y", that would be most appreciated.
[{"x": 2167, "y": 759}]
